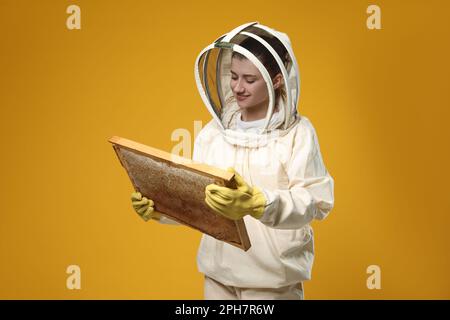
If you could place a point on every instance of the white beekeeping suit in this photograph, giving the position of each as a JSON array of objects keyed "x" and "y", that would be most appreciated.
[{"x": 280, "y": 154}]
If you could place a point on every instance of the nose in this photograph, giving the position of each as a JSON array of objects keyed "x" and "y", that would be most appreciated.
[{"x": 239, "y": 88}]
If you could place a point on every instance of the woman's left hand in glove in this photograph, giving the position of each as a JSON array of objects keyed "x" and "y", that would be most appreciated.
[{"x": 234, "y": 204}]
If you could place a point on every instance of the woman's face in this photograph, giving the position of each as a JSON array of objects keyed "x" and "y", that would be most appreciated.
[{"x": 247, "y": 84}]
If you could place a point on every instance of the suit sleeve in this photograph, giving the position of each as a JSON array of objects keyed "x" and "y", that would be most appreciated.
[{"x": 310, "y": 194}]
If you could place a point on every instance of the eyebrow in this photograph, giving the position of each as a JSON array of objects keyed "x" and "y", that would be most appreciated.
[{"x": 245, "y": 75}]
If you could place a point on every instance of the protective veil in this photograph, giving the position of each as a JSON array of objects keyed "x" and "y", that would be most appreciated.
[{"x": 282, "y": 157}]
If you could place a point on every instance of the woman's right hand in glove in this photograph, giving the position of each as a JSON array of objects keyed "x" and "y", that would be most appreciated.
[{"x": 144, "y": 207}]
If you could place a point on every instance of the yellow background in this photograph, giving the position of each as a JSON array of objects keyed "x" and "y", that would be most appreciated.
[{"x": 379, "y": 100}]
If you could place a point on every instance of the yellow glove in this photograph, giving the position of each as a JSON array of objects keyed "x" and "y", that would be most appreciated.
[
  {"x": 234, "y": 204},
  {"x": 144, "y": 207}
]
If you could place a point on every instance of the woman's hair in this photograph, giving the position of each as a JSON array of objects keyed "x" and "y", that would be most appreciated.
[{"x": 266, "y": 58}]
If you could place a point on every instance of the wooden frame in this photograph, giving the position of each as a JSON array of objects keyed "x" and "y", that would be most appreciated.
[{"x": 176, "y": 185}]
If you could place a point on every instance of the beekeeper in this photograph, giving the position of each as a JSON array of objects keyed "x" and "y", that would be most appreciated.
[{"x": 249, "y": 81}]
